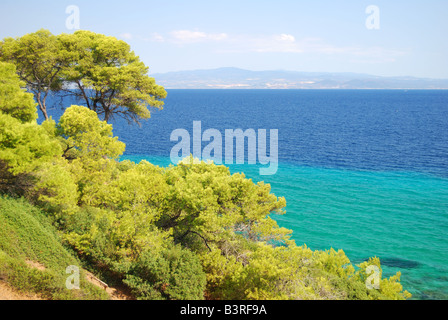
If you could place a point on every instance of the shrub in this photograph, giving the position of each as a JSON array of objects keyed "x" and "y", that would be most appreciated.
[{"x": 173, "y": 273}]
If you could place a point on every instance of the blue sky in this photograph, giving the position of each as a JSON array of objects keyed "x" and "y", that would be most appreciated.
[{"x": 320, "y": 35}]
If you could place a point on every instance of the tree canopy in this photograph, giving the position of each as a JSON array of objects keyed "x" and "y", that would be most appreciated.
[
  {"x": 111, "y": 80},
  {"x": 100, "y": 71},
  {"x": 14, "y": 100},
  {"x": 23, "y": 144},
  {"x": 39, "y": 59}
]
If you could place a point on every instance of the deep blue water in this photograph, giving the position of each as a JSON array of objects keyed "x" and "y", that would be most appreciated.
[
  {"x": 350, "y": 129},
  {"x": 365, "y": 171}
]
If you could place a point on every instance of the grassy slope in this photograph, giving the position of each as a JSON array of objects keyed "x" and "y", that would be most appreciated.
[{"x": 26, "y": 237}]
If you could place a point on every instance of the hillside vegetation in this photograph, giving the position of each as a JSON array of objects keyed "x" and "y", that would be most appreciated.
[
  {"x": 188, "y": 231},
  {"x": 32, "y": 257}
]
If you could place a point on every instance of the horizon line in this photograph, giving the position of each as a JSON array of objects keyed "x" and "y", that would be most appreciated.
[{"x": 296, "y": 71}]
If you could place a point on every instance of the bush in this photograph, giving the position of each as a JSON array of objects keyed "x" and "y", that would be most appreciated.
[{"x": 173, "y": 274}]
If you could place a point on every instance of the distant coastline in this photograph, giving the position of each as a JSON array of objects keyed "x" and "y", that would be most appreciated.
[{"x": 235, "y": 78}]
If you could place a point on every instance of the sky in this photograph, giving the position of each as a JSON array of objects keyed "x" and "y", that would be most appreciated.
[{"x": 379, "y": 37}]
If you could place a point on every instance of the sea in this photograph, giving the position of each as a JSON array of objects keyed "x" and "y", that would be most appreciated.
[{"x": 365, "y": 171}]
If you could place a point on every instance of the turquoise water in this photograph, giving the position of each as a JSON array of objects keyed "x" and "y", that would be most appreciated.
[{"x": 400, "y": 217}]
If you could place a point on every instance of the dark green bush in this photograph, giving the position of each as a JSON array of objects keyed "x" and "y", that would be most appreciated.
[{"x": 174, "y": 274}]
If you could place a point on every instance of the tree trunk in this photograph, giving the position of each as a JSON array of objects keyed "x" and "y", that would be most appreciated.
[{"x": 42, "y": 106}]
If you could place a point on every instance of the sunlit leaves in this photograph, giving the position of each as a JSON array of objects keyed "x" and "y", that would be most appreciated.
[
  {"x": 39, "y": 59},
  {"x": 101, "y": 71},
  {"x": 89, "y": 136},
  {"x": 24, "y": 146},
  {"x": 110, "y": 79},
  {"x": 13, "y": 98}
]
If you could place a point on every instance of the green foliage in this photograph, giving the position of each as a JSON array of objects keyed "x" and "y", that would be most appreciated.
[
  {"x": 27, "y": 153},
  {"x": 205, "y": 205},
  {"x": 173, "y": 273},
  {"x": 14, "y": 101},
  {"x": 27, "y": 235},
  {"x": 24, "y": 146},
  {"x": 90, "y": 232},
  {"x": 136, "y": 196},
  {"x": 87, "y": 136},
  {"x": 25, "y": 232},
  {"x": 291, "y": 272},
  {"x": 90, "y": 147},
  {"x": 39, "y": 59},
  {"x": 55, "y": 188},
  {"x": 111, "y": 78},
  {"x": 390, "y": 287},
  {"x": 263, "y": 272}
]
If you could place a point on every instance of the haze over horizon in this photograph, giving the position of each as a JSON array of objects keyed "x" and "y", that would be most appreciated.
[
  {"x": 383, "y": 38},
  {"x": 237, "y": 78},
  {"x": 296, "y": 71}
]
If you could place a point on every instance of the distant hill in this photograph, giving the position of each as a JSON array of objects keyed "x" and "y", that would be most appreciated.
[{"x": 235, "y": 78}]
